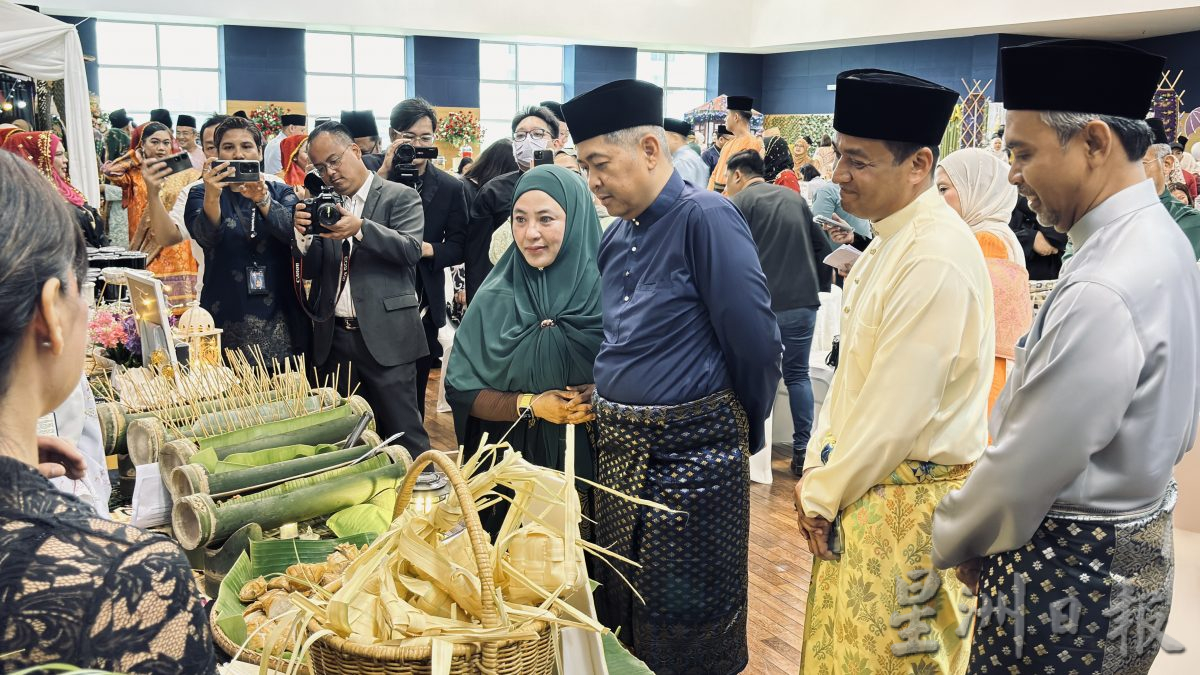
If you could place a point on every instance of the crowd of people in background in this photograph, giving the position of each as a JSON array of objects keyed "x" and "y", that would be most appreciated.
[{"x": 615, "y": 278}]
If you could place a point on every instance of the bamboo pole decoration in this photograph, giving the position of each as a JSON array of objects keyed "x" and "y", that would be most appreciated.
[{"x": 197, "y": 520}]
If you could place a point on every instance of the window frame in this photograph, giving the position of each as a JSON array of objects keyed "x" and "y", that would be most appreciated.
[
  {"x": 516, "y": 83},
  {"x": 158, "y": 68},
  {"x": 354, "y": 76},
  {"x": 666, "y": 75}
]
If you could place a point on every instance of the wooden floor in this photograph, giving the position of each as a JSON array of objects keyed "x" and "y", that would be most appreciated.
[{"x": 779, "y": 562}]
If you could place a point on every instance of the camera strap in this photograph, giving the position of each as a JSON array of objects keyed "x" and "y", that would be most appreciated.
[{"x": 298, "y": 286}]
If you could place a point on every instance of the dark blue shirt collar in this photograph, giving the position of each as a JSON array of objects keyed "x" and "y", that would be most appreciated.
[{"x": 663, "y": 202}]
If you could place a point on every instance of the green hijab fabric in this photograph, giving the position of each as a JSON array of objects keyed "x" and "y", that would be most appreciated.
[{"x": 531, "y": 330}]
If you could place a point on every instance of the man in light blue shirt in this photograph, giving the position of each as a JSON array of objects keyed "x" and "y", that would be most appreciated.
[
  {"x": 825, "y": 199},
  {"x": 687, "y": 162}
]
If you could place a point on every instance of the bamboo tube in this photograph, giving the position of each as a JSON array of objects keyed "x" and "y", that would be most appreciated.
[
  {"x": 148, "y": 434},
  {"x": 178, "y": 452},
  {"x": 195, "y": 479},
  {"x": 197, "y": 520}
]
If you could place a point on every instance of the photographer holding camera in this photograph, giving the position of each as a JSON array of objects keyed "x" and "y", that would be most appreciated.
[
  {"x": 363, "y": 301},
  {"x": 413, "y": 124},
  {"x": 244, "y": 225}
]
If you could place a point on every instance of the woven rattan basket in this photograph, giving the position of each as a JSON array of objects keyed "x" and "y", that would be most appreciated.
[{"x": 332, "y": 655}]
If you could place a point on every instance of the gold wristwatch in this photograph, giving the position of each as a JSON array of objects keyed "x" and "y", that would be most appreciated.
[{"x": 525, "y": 402}]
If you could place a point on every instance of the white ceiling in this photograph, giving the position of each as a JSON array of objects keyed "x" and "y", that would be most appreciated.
[{"x": 761, "y": 26}]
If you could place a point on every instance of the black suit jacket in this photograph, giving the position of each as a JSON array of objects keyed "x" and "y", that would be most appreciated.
[
  {"x": 382, "y": 277},
  {"x": 445, "y": 209},
  {"x": 490, "y": 208}
]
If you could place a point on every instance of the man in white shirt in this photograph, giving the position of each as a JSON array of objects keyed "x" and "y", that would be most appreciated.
[
  {"x": 291, "y": 126},
  {"x": 366, "y": 316},
  {"x": 185, "y": 135},
  {"x": 905, "y": 416}
]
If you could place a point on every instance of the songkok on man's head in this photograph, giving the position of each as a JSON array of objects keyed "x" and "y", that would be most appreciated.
[
  {"x": 1159, "y": 131},
  {"x": 118, "y": 119},
  {"x": 361, "y": 123},
  {"x": 185, "y": 121},
  {"x": 722, "y": 130},
  {"x": 739, "y": 103},
  {"x": 162, "y": 116},
  {"x": 623, "y": 104},
  {"x": 554, "y": 107},
  {"x": 888, "y": 106},
  {"x": 1081, "y": 76},
  {"x": 292, "y": 120},
  {"x": 678, "y": 126}
]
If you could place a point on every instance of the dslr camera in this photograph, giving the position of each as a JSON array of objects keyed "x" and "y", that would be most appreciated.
[
  {"x": 322, "y": 206},
  {"x": 403, "y": 170}
]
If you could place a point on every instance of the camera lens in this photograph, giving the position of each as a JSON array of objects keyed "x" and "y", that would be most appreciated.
[
  {"x": 405, "y": 154},
  {"x": 327, "y": 214}
]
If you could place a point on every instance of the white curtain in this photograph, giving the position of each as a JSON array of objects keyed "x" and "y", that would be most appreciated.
[{"x": 48, "y": 49}]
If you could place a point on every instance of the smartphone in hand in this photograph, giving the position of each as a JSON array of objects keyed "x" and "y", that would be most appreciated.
[{"x": 831, "y": 224}]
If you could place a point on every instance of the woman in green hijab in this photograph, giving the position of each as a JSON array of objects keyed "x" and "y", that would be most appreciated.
[{"x": 525, "y": 348}]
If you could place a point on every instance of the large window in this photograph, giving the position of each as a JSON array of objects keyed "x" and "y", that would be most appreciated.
[
  {"x": 514, "y": 76},
  {"x": 145, "y": 66},
  {"x": 682, "y": 76},
  {"x": 359, "y": 72}
]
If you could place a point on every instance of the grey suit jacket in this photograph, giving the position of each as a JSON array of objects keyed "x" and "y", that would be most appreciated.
[{"x": 382, "y": 277}]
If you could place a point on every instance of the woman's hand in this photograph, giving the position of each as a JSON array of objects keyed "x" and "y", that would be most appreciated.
[
  {"x": 581, "y": 404},
  {"x": 215, "y": 174},
  {"x": 553, "y": 406},
  {"x": 154, "y": 173},
  {"x": 57, "y": 457}
]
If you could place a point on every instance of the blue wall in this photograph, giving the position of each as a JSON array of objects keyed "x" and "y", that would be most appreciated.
[
  {"x": 588, "y": 67},
  {"x": 446, "y": 70},
  {"x": 795, "y": 82},
  {"x": 263, "y": 64},
  {"x": 740, "y": 75}
]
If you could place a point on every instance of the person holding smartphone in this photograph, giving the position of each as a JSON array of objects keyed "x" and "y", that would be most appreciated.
[
  {"x": 244, "y": 224},
  {"x": 149, "y": 184}
]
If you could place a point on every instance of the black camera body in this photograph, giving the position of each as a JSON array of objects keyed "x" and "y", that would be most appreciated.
[
  {"x": 323, "y": 205},
  {"x": 403, "y": 170}
]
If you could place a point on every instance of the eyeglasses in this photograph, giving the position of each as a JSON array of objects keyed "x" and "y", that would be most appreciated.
[
  {"x": 536, "y": 134},
  {"x": 333, "y": 163},
  {"x": 423, "y": 139}
]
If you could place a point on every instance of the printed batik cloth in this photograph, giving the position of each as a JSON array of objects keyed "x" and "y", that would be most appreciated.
[
  {"x": 882, "y": 608},
  {"x": 1089, "y": 593},
  {"x": 692, "y": 458}
]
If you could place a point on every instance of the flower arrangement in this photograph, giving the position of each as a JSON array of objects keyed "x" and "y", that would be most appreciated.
[
  {"x": 110, "y": 329},
  {"x": 268, "y": 119},
  {"x": 459, "y": 128},
  {"x": 113, "y": 330}
]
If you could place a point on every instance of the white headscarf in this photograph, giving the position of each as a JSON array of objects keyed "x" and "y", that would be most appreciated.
[
  {"x": 985, "y": 197},
  {"x": 1187, "y": 163}
]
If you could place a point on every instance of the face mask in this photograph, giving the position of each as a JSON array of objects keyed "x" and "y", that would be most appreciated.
[{"x": 523, "y": 150}]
